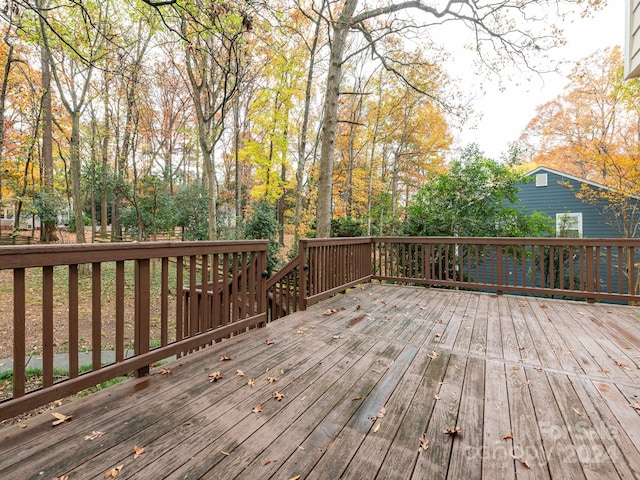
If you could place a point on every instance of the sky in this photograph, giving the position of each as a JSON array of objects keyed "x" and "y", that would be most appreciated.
[{"x": 501, "y": 116}]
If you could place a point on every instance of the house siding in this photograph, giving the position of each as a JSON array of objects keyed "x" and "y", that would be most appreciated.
[{"x": 556, "y": 198}]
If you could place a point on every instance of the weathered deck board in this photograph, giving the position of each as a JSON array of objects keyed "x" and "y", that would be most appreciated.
[{"x": 540, "y": 388}]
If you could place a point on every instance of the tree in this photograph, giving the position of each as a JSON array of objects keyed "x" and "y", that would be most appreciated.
[
  {"x": 492, "y": 23},
  {"x": 592, "y": 130},
  {"x": 469, "y": 200}
]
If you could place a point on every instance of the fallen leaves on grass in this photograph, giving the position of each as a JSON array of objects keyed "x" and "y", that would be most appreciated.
[
  {"x": 215, "y": 376},
  {"x": 60, "y": 418},
  {"x": 277, "y": 395},
  {"x": 94, "y": 434},
  {"x": 114, "y": 472},
  {"x": 257, "y": 409},
  {"x": 137, "y": 451}
]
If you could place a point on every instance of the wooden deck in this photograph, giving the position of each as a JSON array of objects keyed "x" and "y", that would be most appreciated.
[{"x": 539, "y": 388}]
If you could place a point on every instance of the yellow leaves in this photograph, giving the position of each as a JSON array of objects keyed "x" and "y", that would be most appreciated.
[
  {"x": 60, "y": 418},
  {"x": 297, "y": 477},
  {"x": 114, "y": 472},
  {"x": 21, "y": 425},
  {"x": 137, "y": 451},
  {"x": 226, "y": 454},
  {"x": 377, "y": 427},
  {"x": 215, "y": 376},
  {"x": 63, "y": 477}
]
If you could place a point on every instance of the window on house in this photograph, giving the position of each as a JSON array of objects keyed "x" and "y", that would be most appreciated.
[
  {"x": 569, "y": 225},
  {"x": 541, "y": 180}
]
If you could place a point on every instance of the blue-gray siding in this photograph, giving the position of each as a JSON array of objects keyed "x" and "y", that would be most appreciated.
[{"x": 557, "y": 198}]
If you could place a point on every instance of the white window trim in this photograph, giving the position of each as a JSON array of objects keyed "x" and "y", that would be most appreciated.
[{"x": 577, "y": 216}]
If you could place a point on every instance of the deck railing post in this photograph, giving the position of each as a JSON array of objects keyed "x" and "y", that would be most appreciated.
[
  {"x": 303, "y": 271},
  {"x": 142, "y": 307},
  {"x": 590, "y": 288}
]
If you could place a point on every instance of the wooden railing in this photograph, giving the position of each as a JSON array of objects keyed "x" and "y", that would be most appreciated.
[
  {"x": 322, "y": 268},
  {"x": 591, "y": 269},
  {"x": 142, "y": 290}
]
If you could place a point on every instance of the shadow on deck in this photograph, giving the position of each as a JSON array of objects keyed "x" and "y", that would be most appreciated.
[{"x": 538, "y": 388}]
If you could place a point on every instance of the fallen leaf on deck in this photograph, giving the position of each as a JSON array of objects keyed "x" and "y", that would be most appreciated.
[
  {"x": 356, "y": 320},
  {"x": 299, "y": 332},
  {"x": 543, "y": 305},
  {"x": 424, "y": 444},
  {"x": 64, "y": 477},
  {"x": 357, "y": 308},
  {"x": 60, "y": 418},
  {"x": 277, "y": 395},
  {"x": 380, "y": 414},
  {"x": 508, "y": 437},
  {"x": 453, "y": 431},
  {"x": 438, "y": 335},
  {"x": 226, "y": 454},
  {"x": 437, "y": 397},
  {"x": 433, "y": 355},
  {"x": 268, "y": 341},
  {"x": 224, "y": 358},
  {"x": 215, "y": 376},
  {"x": 537, "y": 369},
  {"x": 603, "y": 370},
  {"x": 336, "y": 336},
  {"x": 272, "y": 379},
  {"x": 356, "y": 398},
  {"x": 297, "y": 477},
  {"x": 439, "y": 320},
  {"x": 622, "y": 365},
  {"x": 377, "y": 427},
  {"x": 251, "y": 382},
  {"x": 257, "y": 409},
  {"x": 523, "y": 462},
  {"x": 523, "y": 304},
  {"x": 22, "y": 425},
  {"x": 239, "y": 373},
  {"x": 329, "y": 311},
  {"x": 516, "y": 368},
  {"x": 137, "y": 451},
  {"x": 113, "y": 473},
  {"x": 636, "y": 405},
  {"x": 95, "y": 434},
  {"x": 267, "y": 462},
  {"x": 165, "y": 371}
]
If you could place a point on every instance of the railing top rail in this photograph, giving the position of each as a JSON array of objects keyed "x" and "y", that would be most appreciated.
[
  {"x": 317, "y": 242},
  {"x": 589, "y": 242},
  {"x": 29, "y": 256}
]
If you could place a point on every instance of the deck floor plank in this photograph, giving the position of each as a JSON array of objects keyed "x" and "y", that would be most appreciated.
[{"x": 527, "y": 380}]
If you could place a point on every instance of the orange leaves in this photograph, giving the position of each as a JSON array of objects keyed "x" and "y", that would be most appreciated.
[
  {"x": 277, "y": 395},
  {"x": 114, "y": 472},
  {"x": 257, "y": 409},
  {"x": 239, "y": 373},
  {"x": 215, "y": 376},
  {"x": 272, "y": 379},
  {"x": 453, "y": 431},
  {"x": 424, "y": 444},
  {"x": 165, "y": 371},
  {"x": 224, "y": 358},
  {"x": 137, "y": 451},
  {"x": 251, "y": 382}
]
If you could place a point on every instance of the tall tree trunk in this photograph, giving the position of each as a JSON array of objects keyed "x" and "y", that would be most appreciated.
[
  {"x": 74, "y": 166},
  {"x": 48, "y": 227},
  {"x": 3, "y": 99},
  {"x": 329, "y": 127},
  {"x": 302, "y": 150}
]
